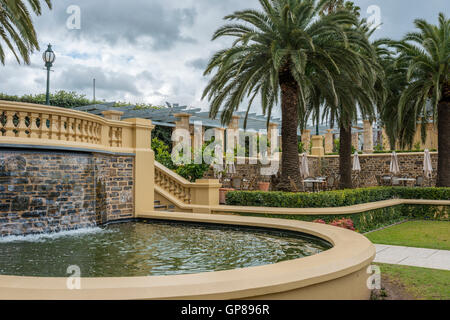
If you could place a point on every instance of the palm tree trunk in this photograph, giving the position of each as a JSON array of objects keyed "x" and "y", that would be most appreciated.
[
  {"x": 290, "y": 163},
  {"x": 345, "y": 156},
  {"x": 443, "y": 174}
]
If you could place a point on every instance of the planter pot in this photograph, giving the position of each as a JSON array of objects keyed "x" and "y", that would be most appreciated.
[
  {"x": 222, "y": 194},
  {"x": 264, "y": 186}
]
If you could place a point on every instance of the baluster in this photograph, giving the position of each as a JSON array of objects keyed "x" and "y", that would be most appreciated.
[
  {"x": 34, "y": 129},
  {"x": 9, "y": 125},
  {"x": 55, "y": 124},
  {"x": 63, "y": 128},
  {"x": 22, "y": 127},
  {"x": 44, "y": 131},
  {"x": 76, "y": 129}
]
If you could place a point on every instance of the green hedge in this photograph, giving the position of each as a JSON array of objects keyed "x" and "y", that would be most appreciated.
[
  {"x": 329, "y": 199},
  {"x": 375, "y": 219}
]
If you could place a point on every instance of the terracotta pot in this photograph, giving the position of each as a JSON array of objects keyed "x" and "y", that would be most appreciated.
[
  {"x": 264, "y": 186},
  {"x": 222, "y": 194}
]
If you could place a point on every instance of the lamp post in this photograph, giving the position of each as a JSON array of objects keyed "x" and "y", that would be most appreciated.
[{"x": 49, "y": 57}]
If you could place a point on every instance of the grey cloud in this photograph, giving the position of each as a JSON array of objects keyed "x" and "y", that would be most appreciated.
[
  {"x": 199, "y": 63},
  {"x": 80, "y": 78},
  {"x": 133, "y": 21}
]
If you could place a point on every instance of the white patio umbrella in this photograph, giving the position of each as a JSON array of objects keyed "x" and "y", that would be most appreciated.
[
  {"x": 356, "y": 164},
  {"x": 394, "y": 167},
  {"x": 231, "y": 168},
  {"x": 427, "y": 167},
  {"x": 304, "y": 167}
]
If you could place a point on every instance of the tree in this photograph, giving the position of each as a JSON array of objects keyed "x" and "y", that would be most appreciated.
[
  {"x": 272, "y": 54},
  {"x": 16, "y": 28},
  {"x": 358, "y": 86},
  {"x": 427, "y": 56}
]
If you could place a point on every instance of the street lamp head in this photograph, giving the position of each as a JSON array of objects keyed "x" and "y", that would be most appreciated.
[{"x": 49, "y": 56}]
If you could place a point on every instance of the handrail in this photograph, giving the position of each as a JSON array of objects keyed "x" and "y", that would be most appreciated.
[
  {"x": 26, "y": 123},
  {"x": 173, "y": 183}
]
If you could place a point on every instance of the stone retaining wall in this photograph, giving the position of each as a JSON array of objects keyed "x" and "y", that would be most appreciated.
[
  {"x": 411, "y": 165},
  {"x": 53, "y": 191}
]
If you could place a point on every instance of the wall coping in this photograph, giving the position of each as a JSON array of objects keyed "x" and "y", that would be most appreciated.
[{"x": 283, "y": 277}]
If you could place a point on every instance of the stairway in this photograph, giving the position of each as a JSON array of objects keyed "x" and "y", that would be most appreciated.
[{"x": 162, "y": 207}]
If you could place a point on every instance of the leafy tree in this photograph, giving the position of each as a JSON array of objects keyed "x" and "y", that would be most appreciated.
[
  {"x": 274, "y": 51},
  {"x": 426, "y": 54},
  {"x": 16, "y": 28}
]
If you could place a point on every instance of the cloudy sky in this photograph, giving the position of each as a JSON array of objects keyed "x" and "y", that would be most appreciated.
[{"x": 155, "y": 51}]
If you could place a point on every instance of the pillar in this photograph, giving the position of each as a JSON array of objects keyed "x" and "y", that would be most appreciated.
[
  {"x": 368, "y": 137},
  {"x": 219, "y": 133},
  {"x": 355, "y": 140},
  {"x": 317, "y": 146},
  {"x": 385, "y": 140},
  {"x": 112, "y": 115},
  {"x": 329, "y": 141},
  {"x": 272, "y": 138},
  {"x": 306, "y": 139},
  {"x": 144, "y": 165},
  {"x": 182, "y": 123},
  {"x": 233, "y": 132}
]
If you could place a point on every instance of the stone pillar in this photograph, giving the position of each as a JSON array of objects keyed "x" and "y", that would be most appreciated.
[
  {"x": 317, "y": 146},
  {"x": 329, "y": 141},
  {"x": 182, "y": 123},
  {"x": 220, "y": 136},
  {"x": 112, "y": 115},
  {"x": 306, "y": 139},
  {"x": 205, "y": 194},
  {"x": 355, "y": 140},
  {"x": 233, "y": 127},
  {"x": 272, "y": 137},
  {"x": 431, "y": 141},
  {"x": 385, "y": 140},
  {"x": 144, "y": 166},
  {"x": 368, "y": 137}
]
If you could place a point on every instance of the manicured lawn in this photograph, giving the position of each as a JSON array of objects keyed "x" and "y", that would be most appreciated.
[
  {"x": 420, "y": 234},
  {"x": 421, "y": 283}
]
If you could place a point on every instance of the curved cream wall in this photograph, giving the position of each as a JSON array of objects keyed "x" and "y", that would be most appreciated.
[{"x": 338, "y": 273}]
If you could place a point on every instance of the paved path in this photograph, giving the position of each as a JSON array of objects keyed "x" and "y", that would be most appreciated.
[{"x": 415, "y": 257}]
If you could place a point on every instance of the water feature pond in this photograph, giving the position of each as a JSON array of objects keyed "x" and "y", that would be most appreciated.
[{"x": 150, "y": 249}]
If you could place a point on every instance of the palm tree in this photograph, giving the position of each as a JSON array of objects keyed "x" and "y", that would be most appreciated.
[
  {"x": 427, "y": 56},
  {"x": 274, "y": 51},
  {"x": 359, "y": 85},
  {"x": 16, "y": 28}
]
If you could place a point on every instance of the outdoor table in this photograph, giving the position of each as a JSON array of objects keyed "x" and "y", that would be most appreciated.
[
  {"x": 406, "y": 180},
  {"x": 314, "y": 182}
]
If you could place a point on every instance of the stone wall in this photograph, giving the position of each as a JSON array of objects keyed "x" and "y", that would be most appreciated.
[
  {"x": 248, "y": 171},
  {"x": 47, "y": 191},
  {"x": 411, "y": 165}
]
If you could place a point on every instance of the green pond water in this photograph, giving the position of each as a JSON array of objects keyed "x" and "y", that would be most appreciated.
[{"x": 150, "y": 249}]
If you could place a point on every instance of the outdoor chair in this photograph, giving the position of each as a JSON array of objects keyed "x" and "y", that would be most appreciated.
[
  {"x": 386, "y": 180},
  {"x": 419, "y": 181},
  {"x": 396, "y": 182},
  {"x": 309, "y": 185},
  {"x": 379, "y": 181},
  {"x": 236, "y": 183},
  {"x": 331, "y": 183}
]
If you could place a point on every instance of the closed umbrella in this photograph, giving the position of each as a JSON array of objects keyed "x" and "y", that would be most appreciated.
[
  {"x": 218, "y": 161},
  {"x": 427, "y": 167},
  {"x": 231, "y": 168},
  {"x": 394, "y": 168},
  {"x": 356, "y": 164},
  {"x": 304, "y": 168}
]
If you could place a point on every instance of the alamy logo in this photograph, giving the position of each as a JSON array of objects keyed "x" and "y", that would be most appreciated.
[
  {"x": 74, "y": 20},
  {"x": 374, "y": 280},
  {"x": 74, "y": 280},
  {"x": 374, "y": 19}
]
